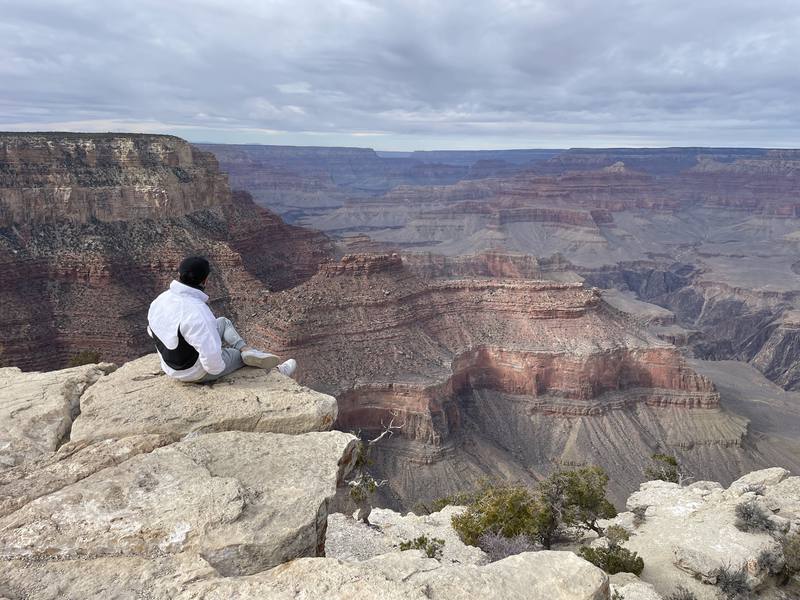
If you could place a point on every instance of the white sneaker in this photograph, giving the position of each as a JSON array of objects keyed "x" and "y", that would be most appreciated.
[
  {"x": 256, "y": 358},
  {"x": 288, "y": 367}
]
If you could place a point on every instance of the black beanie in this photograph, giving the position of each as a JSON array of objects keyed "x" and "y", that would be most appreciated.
[{"x": 193, "y": 271}]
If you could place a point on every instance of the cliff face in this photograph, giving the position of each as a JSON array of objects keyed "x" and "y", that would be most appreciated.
[
  {"x": 48, "y": 178},
  {"x": 94, "y": 227},
  {"x": 619, "y": 217},
  {"x": 492, "y": 375}
]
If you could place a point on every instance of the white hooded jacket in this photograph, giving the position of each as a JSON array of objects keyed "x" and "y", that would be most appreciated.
[{"x": 184, "y": 307}]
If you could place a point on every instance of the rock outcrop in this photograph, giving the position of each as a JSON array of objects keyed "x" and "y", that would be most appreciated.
[
  {"x": 474, "y": 368},
  {"x": 37, "y": 410},
  {"x": 164, "y": 483},
  {"x": 138, "y": 399},
  {"x": 687, "y": 533},
  {"x": 351, "y": 540},
  {"x": 408, "y": 575}
]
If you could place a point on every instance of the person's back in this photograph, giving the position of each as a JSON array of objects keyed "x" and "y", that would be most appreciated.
[
  {"x": 185, "y": 333},
  {"x": 189, "y": 339}
]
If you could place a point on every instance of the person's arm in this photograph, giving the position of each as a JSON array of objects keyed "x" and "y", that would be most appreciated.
[{"x": 200, "y": 330}]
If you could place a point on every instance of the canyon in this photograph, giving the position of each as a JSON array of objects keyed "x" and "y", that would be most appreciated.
[
  {"x": 92, "y": 227},
  {"x": 499, "y": 306},
  {"x": 711, "y": 234}
]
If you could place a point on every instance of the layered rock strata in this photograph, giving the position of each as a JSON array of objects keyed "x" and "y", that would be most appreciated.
[
  {"x": 729, "y": 214},
  {"x": 474, "y": 369},
  {"x": 92, "y": 228}
]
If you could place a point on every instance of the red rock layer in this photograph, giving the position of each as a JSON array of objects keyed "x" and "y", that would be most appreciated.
[
  {"x": 384, "y": 340},
  {"x": 83, "y": 280}
]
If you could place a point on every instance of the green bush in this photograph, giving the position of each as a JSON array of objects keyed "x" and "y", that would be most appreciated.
[
  {"x": 509, "y": 511},
  {"x": 85, "y": 357},
  {"x": 565, "y": 498},
  {"x": 665, "y": 468},
  {"x": 432, "y": 547},
  {"x": 585, "y": 496},
  {"x": 362, "y": 488},
  {"x": 614, "y": 559}
]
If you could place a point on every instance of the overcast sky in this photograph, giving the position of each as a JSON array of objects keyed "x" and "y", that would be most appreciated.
[{"x": 409, "y": 74}]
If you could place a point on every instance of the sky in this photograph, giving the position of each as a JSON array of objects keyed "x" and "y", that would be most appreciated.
[{"x": 410, "y": 74}]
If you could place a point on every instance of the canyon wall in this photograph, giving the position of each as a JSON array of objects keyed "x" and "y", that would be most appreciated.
[
  {"x": 728, "y": 215},
  {"x": 94, "y": 226},
  {"x": 495, "y": 377}
]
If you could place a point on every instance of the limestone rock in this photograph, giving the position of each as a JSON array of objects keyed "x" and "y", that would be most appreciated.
[
  {"x": 106, "y": 578},
  {"x": 757, "y": 479},
  {"x": 242, "y": 501},
  {"x": 37, "y": 409},
  {"x": 784, "y": 498},
  {"x": 72, "y": 462},
  {"x": 349, "y": 539},
  {"x": 633, "y": 588},
  {"x": 408, "y": 575},
  {"x": 139, "y": 399},
  {"x": 689, "y": 532}
]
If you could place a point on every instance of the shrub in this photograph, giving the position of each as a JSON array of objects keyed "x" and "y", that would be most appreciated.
[
  {"x": 751, "y": 516},
  {"x": 432, "y": 547},
  {"x": 499, "y": 547},
  {"x": 771, "y": 561},
  {"x": 732, "y": 583},
  {"x": 681, "y": 593},
  {"x": 791, "y": 556},
  {"x": 506, "y": 511},
  {"x": 638, "y": 515},
  {"x": 617, "y": 534},
  {"x": 665, "y": 468},
  {"x": 585, "y": 496},
  {"x": 362, "y": 488},
  {"x": 85, "y": 357},
  {"x": 614, "y": 559},
  {"x": 564, "y": 498}
]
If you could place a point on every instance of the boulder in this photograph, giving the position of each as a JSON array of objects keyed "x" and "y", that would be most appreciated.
[
  {"x": 409, "y": 575},
  {"x": 690, "y": 532},
  {"x": 630, "y": 587},
  {"x": 349, "y": 539},
  {"x": 784, "y": 498},
  {"x": 757, "y": 480},
  {"x": 72, "y": 462},
  {"x": 244, "y": 502},
  {"x": 37, "y": 409},
  {"x": 138, "y": 398}
]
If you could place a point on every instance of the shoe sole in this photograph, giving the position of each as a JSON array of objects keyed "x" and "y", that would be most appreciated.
[{"x": 265, "y": 362}]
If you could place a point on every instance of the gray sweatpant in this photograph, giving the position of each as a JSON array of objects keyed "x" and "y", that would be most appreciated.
[{"x": 232, "y": 354}]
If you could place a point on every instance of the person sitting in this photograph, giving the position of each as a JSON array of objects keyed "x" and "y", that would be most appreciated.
[{"x": 189, "y": 339}]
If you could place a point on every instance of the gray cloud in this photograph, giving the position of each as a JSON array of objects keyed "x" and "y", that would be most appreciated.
[{"x": 407, "y": 74}]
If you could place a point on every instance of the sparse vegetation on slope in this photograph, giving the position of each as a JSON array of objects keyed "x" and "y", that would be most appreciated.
[
  {"x": 564, "y": 499},
  {"x": 432, "y": 547},
  {"x": 614, "y": 558}
]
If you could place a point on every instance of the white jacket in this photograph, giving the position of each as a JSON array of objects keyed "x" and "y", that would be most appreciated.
[{"x": 185, "y": 307}]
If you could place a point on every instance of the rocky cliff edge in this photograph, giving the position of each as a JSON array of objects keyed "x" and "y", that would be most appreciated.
[{"x": 120, "y": 483}]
